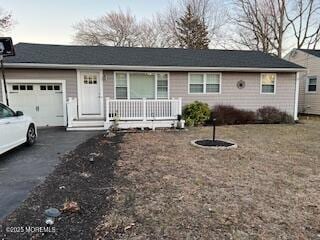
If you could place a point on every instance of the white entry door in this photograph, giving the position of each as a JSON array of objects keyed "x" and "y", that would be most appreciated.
[{"x": 91, "y": 96}]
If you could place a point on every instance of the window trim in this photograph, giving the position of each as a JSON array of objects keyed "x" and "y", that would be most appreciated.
[
  {"x": 205, "y": 83},
  {"x": 128, "y": 83},
  {"x": 308, "y": 83},
  {"x": 275, "y": 84}
]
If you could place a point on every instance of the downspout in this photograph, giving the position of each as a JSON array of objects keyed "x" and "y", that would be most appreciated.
[{"x": 296, "y": 98}]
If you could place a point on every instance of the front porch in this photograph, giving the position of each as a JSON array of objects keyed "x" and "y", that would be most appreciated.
[{"x": 127, "y": 113}]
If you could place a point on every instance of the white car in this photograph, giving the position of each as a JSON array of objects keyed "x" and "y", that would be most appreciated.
[{"x": 15, "y": 129}]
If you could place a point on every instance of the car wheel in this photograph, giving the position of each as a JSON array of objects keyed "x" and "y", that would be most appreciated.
[{"x": 31, "y": 135}]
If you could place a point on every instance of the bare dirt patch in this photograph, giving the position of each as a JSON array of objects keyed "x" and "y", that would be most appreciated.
[{"x": 267, "y": 188}]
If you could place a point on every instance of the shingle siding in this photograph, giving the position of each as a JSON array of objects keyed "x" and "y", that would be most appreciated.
[{"x": 308, "y": 102}]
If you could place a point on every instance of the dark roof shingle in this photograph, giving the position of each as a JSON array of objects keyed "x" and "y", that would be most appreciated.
[
  {"x": 314, "y": 52},
  {"x": 106, "y": 55}
]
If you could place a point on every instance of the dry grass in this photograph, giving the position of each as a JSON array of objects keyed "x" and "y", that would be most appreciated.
[{"x": 268, "y": 188}]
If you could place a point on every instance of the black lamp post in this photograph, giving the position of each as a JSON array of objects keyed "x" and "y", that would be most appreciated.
[{"x": 214, "y": 129}]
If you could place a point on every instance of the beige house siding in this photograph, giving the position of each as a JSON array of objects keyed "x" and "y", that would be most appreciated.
[
  {"x": 45, "y": 74},
  {"x": 108, "y": 84},
  {"x": 308, "y": 102},
  {"x": 247, "y": 98}
]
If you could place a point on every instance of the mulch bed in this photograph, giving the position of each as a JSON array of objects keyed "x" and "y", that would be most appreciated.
[
  {"x": 216, "y": 143},
  {"x": 76, "y": 179}
]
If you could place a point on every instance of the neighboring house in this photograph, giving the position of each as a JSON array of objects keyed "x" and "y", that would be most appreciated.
[
  {"x": 309, "y": 94},
  {"x": 86, "y": 87}
]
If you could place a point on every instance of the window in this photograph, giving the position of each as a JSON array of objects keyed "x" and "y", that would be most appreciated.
[
  {"x": 213, "y": 83},
  {"x": 162, "y": 85},
  {"x": 142, "y": 85},
  {"x": 22, "y": 87},
  {"x": 6, "y": 112},
  {"x": 90, "y": 79},
  {"x": 312, "y": 84},
  {"x": 56, "y": 87},
  {"x": 121, "y": 86},
  {"x": 138, "y": 85},
  {"x": 196, "y": 83},
  {"x": 50, "y": 87},
  {"x": 268, "y": 82},
  {"x": 43, "y": 87},
  {"x": 204, "y": 82}
]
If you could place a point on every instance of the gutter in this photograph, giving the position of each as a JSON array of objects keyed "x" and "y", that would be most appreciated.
[{"x": 148, "y": 68}]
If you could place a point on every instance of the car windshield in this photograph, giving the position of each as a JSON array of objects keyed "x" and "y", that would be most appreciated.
[{"x": 5, "y": 111}]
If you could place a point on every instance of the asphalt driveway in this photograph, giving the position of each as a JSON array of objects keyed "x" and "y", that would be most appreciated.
[{"x": 25, "y": 167}]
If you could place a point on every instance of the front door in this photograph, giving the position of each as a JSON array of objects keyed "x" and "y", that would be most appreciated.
[{"x": 91, "y": 98}]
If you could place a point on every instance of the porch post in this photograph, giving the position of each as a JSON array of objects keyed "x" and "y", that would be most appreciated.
[
  {"x": 144, "y": 109},
  {"x": 69, "y": 112},
  {"x": 107, "y": 110},
  {"x": 180, "y": 106}
]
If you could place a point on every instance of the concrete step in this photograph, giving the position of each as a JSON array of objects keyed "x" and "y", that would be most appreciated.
[
  {"x": 86, "y": 123},
  {"x": 94, "y": 128}
]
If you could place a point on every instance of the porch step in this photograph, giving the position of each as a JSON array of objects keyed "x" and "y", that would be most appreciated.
[
  {"x": 86, "y": 128},
  {"x": 88, "y": 123}
]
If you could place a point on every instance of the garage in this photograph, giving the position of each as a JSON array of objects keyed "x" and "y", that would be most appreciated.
[{"x": 42, "y": 101}]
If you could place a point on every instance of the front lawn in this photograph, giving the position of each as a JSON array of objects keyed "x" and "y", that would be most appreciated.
[
  {"x": 155, "y": 185},
  {"x": 268, "y": 188}
]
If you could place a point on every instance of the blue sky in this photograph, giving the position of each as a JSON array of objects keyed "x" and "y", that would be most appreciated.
[{"x": 50, "y": 21}]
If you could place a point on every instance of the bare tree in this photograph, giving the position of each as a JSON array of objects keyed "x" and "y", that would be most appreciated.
[
  {"x": 166, "y": 28},
  {"x": 253, "y": 29},
  {"x": 264, "y": 24},
  {"x": 305, "y": 22},
  {"x": 6, "y": 21},
  {"x": 122, "y": 29},
  {"x": 115, "y": 28}
]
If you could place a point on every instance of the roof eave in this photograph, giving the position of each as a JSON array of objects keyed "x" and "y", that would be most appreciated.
[{"x": 150, "y": 68}]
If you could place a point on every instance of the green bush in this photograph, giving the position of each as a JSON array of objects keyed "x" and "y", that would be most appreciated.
[
  {"x": 272, "y": 115},
  {"x": 229, "y": 115},
  {"x": 196, "y": 113}
]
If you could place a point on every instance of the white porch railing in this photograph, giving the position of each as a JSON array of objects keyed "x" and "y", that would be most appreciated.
[
  {"x": 72, "y": 110},
  {"x": 143, "y": 109}
]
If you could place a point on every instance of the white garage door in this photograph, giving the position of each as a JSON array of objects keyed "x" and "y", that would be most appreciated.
[{"x": 43, "y": 102}]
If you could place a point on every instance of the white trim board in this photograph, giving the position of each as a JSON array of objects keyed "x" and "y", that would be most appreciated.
[
  {"x": 296, "y": 98},
  {"x": 37, "y": 81},
  {"x": 149, "y": 68}
]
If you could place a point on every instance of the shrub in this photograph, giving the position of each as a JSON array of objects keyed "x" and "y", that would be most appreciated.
[
  {"x": 272, "y": 115},
  {"x": 196, "y": 113},
  {"x": 230, "y": 115}
]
